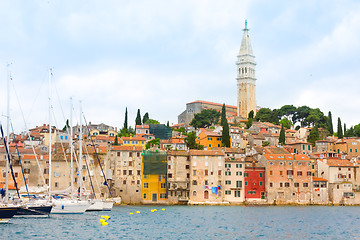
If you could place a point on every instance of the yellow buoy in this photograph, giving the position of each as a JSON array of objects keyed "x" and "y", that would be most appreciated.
[
  {"x": 163, "y": 209},
  {"x": 131, "y": 213},
  {"x": 105, "y": 223},
  {"x": 101, "y": 220},
  {"x": 137, "y": 211},
  {"x": 155, "y": 210},
  {"x": 105, "y": 217}
]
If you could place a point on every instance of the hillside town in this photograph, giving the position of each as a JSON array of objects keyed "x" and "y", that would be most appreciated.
[{"x": 215, "y": 154}]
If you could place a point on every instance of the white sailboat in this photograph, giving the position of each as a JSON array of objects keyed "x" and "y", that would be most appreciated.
[{"x": 64, "y": 205}]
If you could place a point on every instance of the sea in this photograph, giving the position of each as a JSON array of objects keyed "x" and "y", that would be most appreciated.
[{"x": 194, "y": 222}]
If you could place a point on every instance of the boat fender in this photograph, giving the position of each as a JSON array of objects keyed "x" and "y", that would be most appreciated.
[{"x": 62, "y": 206}]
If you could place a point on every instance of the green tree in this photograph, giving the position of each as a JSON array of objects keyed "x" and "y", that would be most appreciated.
[
  {"x": 267, "y": 115},
  {"x": 350, "y": 132},
  {"x": 190, "y": 141},
  {"x": 314, "y": 135},
  {"x": 145, "y": 118},
  {"x": 152, "y": 121},
  {"x": 357, "y": 130},
  {"x": 126, "y": 132},
  {"x": 67, "y": 126},
  {"x": 138, "y": 118},
  {"x": 249, "y": 123},
  {"x": 225, "y": 132},
  {"x": 153, "y": 143},
  {"x": 282, "y": 135},
  {"x": 330, "y": 124},
  {"x": 339, "y": 130},
  {"x": 251, "y": 114},
  {"x": 265, "y": 143},
  {"x": 300, "y": 115},
  {"x": 167, "y": 124},
  {"x": 205, "y": 118},
  {"x": 287, "y": 111},
  {"x": 126, "y": 119},
  {"x": 116, "y": 142},
  {"x": 345, "y": 134},
  {"x": 287, "y": 123}
]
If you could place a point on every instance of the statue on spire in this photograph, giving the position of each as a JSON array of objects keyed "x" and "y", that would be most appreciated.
[{"x": 245, "y": 24}]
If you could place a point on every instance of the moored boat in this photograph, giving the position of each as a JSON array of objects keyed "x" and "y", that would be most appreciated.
[
  {"x": 64, "y": 206},
  {"x": 6, "y": 213}
]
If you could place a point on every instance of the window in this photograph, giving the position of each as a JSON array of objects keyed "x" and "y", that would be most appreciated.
[
  {"x": 308, "y": 173},
  {"x": 227, "y": 173},
  {"x": 194, "y": 182},
  {"x": 206, "y": 182},
  {"x": 194, "y": 172},
  {"x": 162, "y": 195},
  {"x": 209, "y": 145},
  {"x": 210, "y": 138},
  {"x": 246, "y": 183},
  {"x": 206, "y": 172},
  {"x": 238, "y": 165},
  {"x": 260, "y": 183},
  {"x": 287, "y": 184},
  {"x": 296, "y": 184},
  {"x": 188, "y": 175},
  {"x": 138, "y": 182},
  {"x": 349, "y": 175},
  {"x": 169, "y": 166},
  {"x": 271, "y": 172},
  {"x": 227, "y": 182},
  {"x": 290, "y": 172},
  {"x": 46, "y": 171},
  {"x": 227, "y": 165},
  {"x": 130, "y": 172},
  {"x": 227, "y": 192},
  {"x": 138, "y": 154},
  {"x": 144, "y": 196},
  {"x": 124, "y": 172},
  {"x": 194, "y": 193},
  {"x": 56, "y": 184},
  {"x": 26, "y": 170},
  {"x": 163, "y": 185},
  {"x": 305, "y": 185},
  {"x": 187, "y": 166},
  {"x": 271, "y": 184},
  {"x": 281, "y": 173},
  {"x": 118, "y": 154},
  {"x": 281, "y": 184},
  {"x": 145, "y": 176},
  {"x": 238, "y": 173},
  {"x": 219, "y": 172},
  {"x": 299, "y": 173},
  {"x": 261, "y": 175},
  {"x": 124, "y": 182},
  {"x": 237, "y": 193},
  {"x": 130, "y": 154},
  {"x": 146, "y": 185},
  {"x": 246, "y": 174}
]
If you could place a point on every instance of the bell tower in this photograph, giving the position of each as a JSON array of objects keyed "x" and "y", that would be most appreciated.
[{"x": 246, "y": 77}]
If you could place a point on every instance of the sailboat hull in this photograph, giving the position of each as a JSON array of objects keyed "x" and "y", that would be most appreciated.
[
  {"x": 69, "y": 206},
  {"x": 6, "y": 213},
  {"x": 34, "y": 211}
]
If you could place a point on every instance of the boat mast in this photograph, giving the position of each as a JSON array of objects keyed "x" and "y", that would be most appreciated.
[
  {"x": 71, "y": 151},
  {"x": 80, "y": 154},
  {"x": 50, "y": 136},
  {"x": 7, "y": 135}
]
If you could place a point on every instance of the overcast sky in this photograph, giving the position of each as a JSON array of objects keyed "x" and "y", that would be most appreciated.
[{"x": 159, "y": 55}]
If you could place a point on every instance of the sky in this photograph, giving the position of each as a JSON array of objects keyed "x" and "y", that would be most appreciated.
[{"x": 157, "y": 56}]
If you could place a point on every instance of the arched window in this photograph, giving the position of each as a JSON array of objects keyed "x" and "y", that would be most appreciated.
[
  {"x": 245, "y": 70},
  {"x": 206, "y": 194},
  {"x": 194, "y": 193}
]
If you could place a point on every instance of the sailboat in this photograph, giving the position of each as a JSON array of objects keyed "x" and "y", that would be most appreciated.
[{"x": 65, "y": 205}]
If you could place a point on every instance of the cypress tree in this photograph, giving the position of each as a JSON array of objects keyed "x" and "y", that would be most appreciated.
[
  {"x": 225, "y": 133},
  {"x": 126, "y": 119},
  {"x": 116, "y": 140},
  {"x": 145, "y": 118},
  {"x": 314, "y": 135},
  {"x": 138, "y": 118},
  {"x": 339, "y": 129},
  {"x": 330, "y": 124},
  {"x": 345, "y": 134},
  {"x": 167, "y": 124},
  {"x": 282, "y": 135}
]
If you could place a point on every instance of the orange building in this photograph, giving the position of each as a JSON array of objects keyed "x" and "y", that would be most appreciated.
[{"x": 209, "y": 139}]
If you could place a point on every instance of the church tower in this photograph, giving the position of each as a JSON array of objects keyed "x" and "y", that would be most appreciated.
[{"x": 246, "y": 77}]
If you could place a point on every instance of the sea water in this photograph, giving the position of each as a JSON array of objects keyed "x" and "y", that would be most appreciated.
[{"x": 194, "y": 222}]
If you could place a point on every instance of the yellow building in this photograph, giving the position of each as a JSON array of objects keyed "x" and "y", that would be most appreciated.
[
  {"x": 209, "y": 139},
  {"x": 154, "y": 178},
  {"x": 134, "y": 141}
]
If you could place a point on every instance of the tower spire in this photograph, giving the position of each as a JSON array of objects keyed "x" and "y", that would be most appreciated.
[{"x": 246, "y": 76}]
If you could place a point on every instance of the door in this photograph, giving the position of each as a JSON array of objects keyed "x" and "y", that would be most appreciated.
[
  {"x": 154, "y": 197},
  {"x": 206, "y": 195}
]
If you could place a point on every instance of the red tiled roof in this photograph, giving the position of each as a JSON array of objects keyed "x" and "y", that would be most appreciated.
[
  {"x": 206, "y": 153},
  {"x": 286, "y": 157},
  {"x": 142, "y": 126},
  {"x": 178, "y": 153},
  {"x": 127, "y": 148},
  {"x": 316, "y": 179},
  {"x": 212, "y": 103},
  {"x": 337, "y": 162},
  {"x": 210, "y": 133},
  {"x": 136, "y": 138}
]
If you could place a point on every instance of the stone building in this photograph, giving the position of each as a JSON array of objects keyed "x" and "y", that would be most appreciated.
[
  {"x": 178, "y": 177},
  {"x": 207, "y": 176}
]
